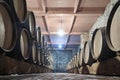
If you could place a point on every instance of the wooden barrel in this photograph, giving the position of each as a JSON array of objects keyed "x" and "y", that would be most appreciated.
[
  {"x": 86, "y": 52},
  {"x": 34, "y": 52},
  {"x": 19, "y": 8},
  {"x": 39, "y": 56},
  {"x": 113, "y": 29},
  {"x": 88, "y": 59},
  {"x": 22, "y": 50},
  {"x": 42, "y": 41},
  {"x": 25, "y": 43},
  {"x": 100, "y": 49},
  {"x": 78, "y": 59},
  {"x": 47, "y": 61},
  {"x": 32, "y": 24},
  {"x": 81, "y": 58},
  {"x": 38, "y": 35},
  {"x": 43, "y": 59},
  {"x": 75, "y": 58},
  {"x": 45, "y": 48},
  {"x": 7, "y": 28},
  {"x": 73, "y": 61}
]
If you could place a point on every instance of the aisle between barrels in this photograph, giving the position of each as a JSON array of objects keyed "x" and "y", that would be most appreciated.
[{"x": 57, "y": 76}]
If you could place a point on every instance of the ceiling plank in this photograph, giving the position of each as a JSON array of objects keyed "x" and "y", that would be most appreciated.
[
  {"x": 71, "y": 27},
  {"x": 38, "y": 14},
  {"x": 62, "y": 49},
  {"x": 70, "y": 9},
  {"x": 72, "y": 24},
  {"x": 74, "y": 19},
  {"x": 43, "y": 6},
  {"x": 56, "y": 33},
  {"x": 65, "y": 12},
  {"x": 77, "y": 2},
  {"x": 44, "y": 21},
  {"x": 69, "y": 43},
  {"x": 70, "y": 30},
  {"x": 80, "y": 10},
  {"x": 46, "y": 27}
]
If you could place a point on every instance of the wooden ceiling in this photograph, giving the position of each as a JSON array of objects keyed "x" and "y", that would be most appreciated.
[{"x": 73, "y": 16}]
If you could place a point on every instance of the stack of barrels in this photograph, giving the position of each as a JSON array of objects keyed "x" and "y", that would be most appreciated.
[
  {"x": 20, "y": 39},
  {"x": 101, "y": 53}
]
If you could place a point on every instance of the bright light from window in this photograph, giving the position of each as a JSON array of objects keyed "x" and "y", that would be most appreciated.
[
  {"x": 61, "y": 32},
  {"x": 60, "y": 46}
]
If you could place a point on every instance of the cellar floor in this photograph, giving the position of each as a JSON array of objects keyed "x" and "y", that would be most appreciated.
[{"x": 57, "y": 76}]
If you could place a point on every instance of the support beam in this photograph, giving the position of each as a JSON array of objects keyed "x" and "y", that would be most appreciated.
[
  {"x": 77, "y": 2},
  {"x": 69, "y": 9},
  {"x": 72, "y": 25},
  {"x": 68, "y": 14},
  {"x": 45, "y": 24},
  {"x": 70, "y": 30},
  {"x": 46, "y": 27},
  {"x": 82, "y": 11},
  {"x": 62, "y": 49},
  {"x": 69, "y": 43},
  {"x": 55, "y": 33},
  {"x": 43, "y": 5}
]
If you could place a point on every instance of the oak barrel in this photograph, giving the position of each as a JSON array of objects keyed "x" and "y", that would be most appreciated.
[
  {"x": 81, "y": 57},
  {"x": 34, "y": 52},
  {"x": 7, "y": 28},
  {"x": 113, "y": 28},
  {"x": 88, "y": 59},
  {"x": 32, "y": 24},
  {"x": 39, "y": 56},
  {"x": 38, "y": 35},
  {"x": 19, "y": 8},
  {"x": 25, "y": 43},
  {"x": 100, "y": 49}
]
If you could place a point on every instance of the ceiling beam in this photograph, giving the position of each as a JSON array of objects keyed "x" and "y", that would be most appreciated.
[
  {"x": 69, "y": 14},
  {"x": 62, "y": 49},
  {"x": 74, "y": 19},
  {"x": 71, "y": 27},
  {"x": 69, "y": 9},
  {"x": 45, "y": 24},
  {"x": 43, "y": 5},
  {"x": 73, "y": 22},
  {"x": 77, "y": 2},
  {"x": 70, "y": 30},
  {"x": 46, "y": 27},
  {"x": 56, "y": 33},
  {"x": 80, "y": 11},
  {"x": 69, "y": 43}
]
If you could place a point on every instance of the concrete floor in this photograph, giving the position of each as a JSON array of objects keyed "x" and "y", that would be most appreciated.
[{"x": 57, "y": 76}]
